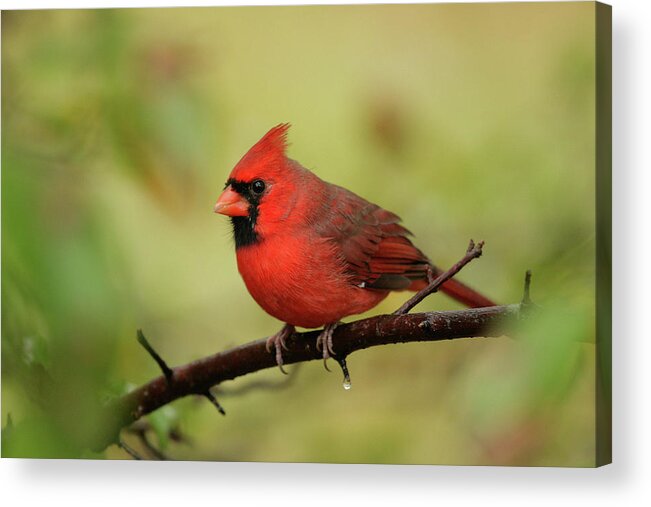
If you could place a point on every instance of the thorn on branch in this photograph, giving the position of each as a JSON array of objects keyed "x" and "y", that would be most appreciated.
[
  {"x": 526, "y": 296},
  {"x": 211, "y": 397},
  {"x": 527, "y": 305},
  {"x": 473, "y": 251},
  {"x": 167, "y": 371}
]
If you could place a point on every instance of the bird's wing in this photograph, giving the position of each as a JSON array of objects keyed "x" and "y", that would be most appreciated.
[{"x": 375, "y": 247}]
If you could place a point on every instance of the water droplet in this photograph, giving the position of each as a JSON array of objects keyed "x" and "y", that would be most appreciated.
[{"x": 344, "y": 368}]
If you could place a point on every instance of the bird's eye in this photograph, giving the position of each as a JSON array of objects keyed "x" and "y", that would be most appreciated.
[{"x": 257, "y": 186}]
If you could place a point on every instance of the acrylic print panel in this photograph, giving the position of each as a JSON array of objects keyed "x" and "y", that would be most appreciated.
[{"x": 120, "y": 130}]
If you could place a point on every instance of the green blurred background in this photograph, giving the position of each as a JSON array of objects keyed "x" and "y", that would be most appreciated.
[{"x": 119, "y": 128}]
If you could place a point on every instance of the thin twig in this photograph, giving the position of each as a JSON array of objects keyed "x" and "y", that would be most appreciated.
[
  {"x": 157, "y": 453},
  {"x": 167, "y": 371},
  {"x": 259, "y": 385},
  {"x": 154, "y": 451},
  {"x": 474, "y": 251},
  {"x": 129, "y": 450},
  {"x": 143, "y": 426}
]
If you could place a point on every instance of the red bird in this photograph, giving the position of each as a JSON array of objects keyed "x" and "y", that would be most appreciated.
[{"x": 312, "y": 253}]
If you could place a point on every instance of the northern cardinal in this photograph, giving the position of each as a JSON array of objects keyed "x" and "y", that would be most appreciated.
[{"x": 312, "y": 253}]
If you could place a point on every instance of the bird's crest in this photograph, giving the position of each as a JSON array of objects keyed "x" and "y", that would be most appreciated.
[
  {"x": 268, "y": 152},
  {"x": 275, "y": 140}
]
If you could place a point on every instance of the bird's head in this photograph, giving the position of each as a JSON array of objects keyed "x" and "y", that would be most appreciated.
[{"x": 262, "y": 189}]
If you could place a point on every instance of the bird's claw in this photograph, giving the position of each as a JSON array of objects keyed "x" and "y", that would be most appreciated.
[
  {"x": 277, "y": 341},
  {"x": 324, "y": 343}
]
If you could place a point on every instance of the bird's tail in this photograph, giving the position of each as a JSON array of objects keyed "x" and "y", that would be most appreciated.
[{"x": 457, "y": 290}]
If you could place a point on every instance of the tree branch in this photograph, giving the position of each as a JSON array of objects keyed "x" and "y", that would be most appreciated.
[{"x": 197, "y": 377}]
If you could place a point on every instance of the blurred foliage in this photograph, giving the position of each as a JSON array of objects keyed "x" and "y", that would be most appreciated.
[{"x": 119, "y": 128}]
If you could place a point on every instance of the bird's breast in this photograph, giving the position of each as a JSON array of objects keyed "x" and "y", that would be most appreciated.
[{"x": 301, "y": 280}]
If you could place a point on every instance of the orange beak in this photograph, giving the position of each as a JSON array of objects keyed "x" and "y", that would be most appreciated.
[{"x": 232, "y": 204}]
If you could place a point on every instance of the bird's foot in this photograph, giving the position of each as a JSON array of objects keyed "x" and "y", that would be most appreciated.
[
  {"x": 324, "y": 342},
  {"x": 277, "y": 341}
]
